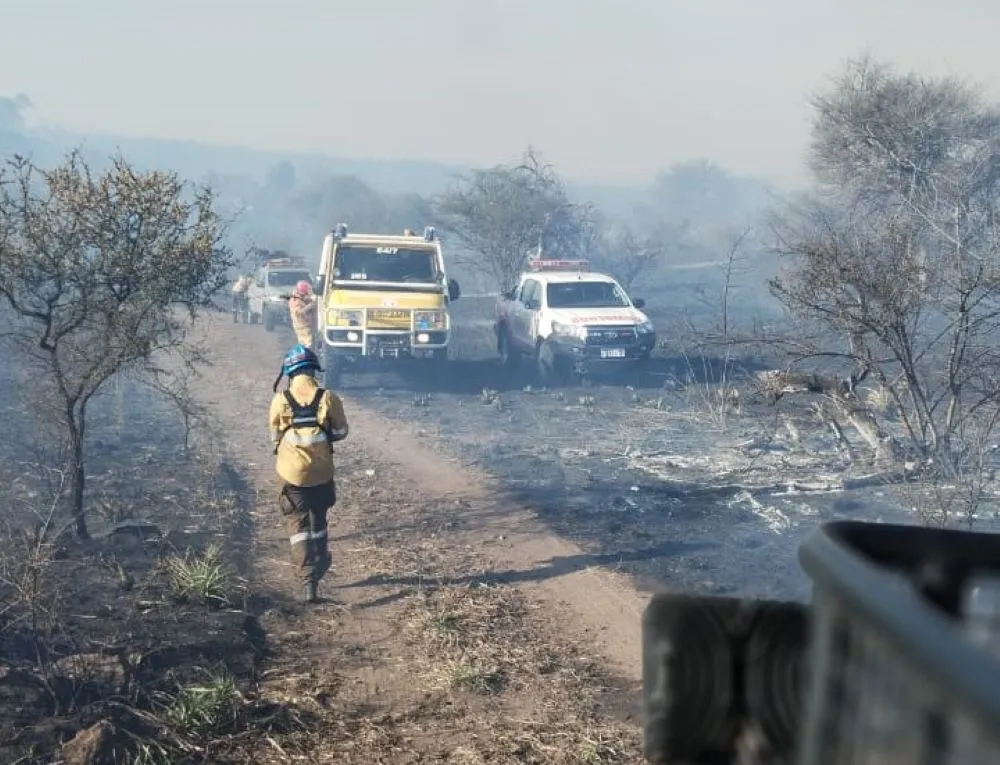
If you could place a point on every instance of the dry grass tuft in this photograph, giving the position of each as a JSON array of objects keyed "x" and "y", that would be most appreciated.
[{"x": 543, "y": 692}]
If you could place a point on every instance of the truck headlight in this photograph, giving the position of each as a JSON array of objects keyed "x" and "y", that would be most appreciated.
[
  {"x": 645, "y": 328},
  {"x": 569, "y": 330},
  {"x": 430, "y": 320},
  {"x": 339, "y": 317}
]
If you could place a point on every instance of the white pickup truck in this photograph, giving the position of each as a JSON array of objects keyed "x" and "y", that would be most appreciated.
[
  {"x": 274, "y": 281},
  {"x": 567, "y": 319}
]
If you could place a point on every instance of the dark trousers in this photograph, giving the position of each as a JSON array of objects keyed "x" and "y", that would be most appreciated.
[{"x": 303, "y": 512}]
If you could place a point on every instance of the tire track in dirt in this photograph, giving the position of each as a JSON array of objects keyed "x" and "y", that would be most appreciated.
[{"x": 415, "y": 538}]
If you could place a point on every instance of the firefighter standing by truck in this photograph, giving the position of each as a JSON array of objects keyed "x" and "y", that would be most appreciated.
[
  {"x": 306, "y": 420},
  {"x": 240, "y": 298},
  {"x": 302, "y": 310}
]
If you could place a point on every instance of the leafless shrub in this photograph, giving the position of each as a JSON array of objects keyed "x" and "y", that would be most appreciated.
[
  {"x": 615, "y": 248},
  {"x": 712, "y": 354},
  {"x": 503, "y": 213},
  {"x": 176, "y": 383},
  {"x": 892, "y": 268}
]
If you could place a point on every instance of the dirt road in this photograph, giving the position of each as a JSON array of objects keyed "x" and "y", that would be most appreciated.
[{"x": 454, "y": 625}]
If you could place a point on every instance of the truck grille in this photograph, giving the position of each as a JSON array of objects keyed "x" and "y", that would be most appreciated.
[
  {"x": 611, "y": 336},
  {"x": 388, "y": 318},
  {"x": 387, "y": 346}
]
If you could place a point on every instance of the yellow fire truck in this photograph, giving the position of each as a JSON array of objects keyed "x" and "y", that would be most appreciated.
[{"x": 384, "y": 300}]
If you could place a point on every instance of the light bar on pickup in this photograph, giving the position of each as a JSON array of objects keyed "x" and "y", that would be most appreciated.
[
  {"x": 284, "y": 262},
  {"x": 558, "y": 265}
]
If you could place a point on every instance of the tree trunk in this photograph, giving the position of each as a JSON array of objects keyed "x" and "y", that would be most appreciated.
[{"x": 77, "y": 475}]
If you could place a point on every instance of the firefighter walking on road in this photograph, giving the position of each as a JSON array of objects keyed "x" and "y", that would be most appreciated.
[
  {"x": 306, "y": 420},
  {"x": 302, "y": 309},
  {"x": 240, "y": 298}
]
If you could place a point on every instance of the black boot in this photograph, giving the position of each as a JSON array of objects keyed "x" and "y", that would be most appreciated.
[{"x": 309, "y": 593}]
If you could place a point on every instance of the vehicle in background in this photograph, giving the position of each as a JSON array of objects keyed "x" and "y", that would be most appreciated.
[
  {"x": 383, "y": 300},
  {"x": 569, "y": 320},
  {"x": 272, "y": 285}
]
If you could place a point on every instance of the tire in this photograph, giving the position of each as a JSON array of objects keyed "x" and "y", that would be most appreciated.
[
  {"x": 551, "y": 369},
  {"x": 689, "y": 686},
  {"x": 269, "y": 320},
  {"x": 332, "y": 371},
  {"x": 777, "y": 673},
  {"x": 508, "y": 356},
  {"x": 433, "y": 371}
]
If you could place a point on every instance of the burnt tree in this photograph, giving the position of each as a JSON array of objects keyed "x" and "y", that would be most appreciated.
[
  {"x": 895, "y": 257},
  {"x": 505, "y": 213}
]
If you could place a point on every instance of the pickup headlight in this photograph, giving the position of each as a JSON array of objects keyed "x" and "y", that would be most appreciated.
[
  {"x": 569, "y": 330},
  {"x": 430, "y": 320},
  {"x": 645, "y": 328},
  {"x": 339, "y": 317}
]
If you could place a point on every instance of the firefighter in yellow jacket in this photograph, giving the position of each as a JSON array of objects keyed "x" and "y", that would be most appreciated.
[
  {"x": 302, "y": 310},
  {"x": 305, "y": 422}
]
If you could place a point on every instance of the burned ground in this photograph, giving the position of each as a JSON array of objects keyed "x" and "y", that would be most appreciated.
[
  {"x": 487, "y": 542},
  {"x": 415, "y": 653},
  {"x": 659, "y": 473},
  {"x": 125, "y": 627}
]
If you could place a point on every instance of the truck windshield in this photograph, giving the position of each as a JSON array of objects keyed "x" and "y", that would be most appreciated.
[
  {"x": 386, "y": 264},
  {"x": 287, "y": 278},
  {"x": 586, "y": 295}
]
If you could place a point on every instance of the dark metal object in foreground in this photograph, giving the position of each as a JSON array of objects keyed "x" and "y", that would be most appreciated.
[
  {"x": 721, "y": 676},
  {"x": 900, "y": 670},
  {"x": 891, "y": 664}
]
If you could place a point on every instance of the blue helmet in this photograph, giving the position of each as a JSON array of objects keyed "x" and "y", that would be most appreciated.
[{"x": 299, "y": 359}]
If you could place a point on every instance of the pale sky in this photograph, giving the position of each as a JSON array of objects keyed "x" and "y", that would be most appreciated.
[{"x": 606, "y": 89}]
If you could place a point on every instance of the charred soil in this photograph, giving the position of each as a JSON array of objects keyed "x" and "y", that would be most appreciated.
[
  {"x": 432, "y": 640},
  {"x": 138, "y": 639}
]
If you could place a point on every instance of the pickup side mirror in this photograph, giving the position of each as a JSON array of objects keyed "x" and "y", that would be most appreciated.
[
  {"x": 260, "y": 283},
  {"x": 532, "y": 305},
  {"x": 508, "y": 295},
  {"x": 318, "y": 285},
  {"x": 639, "y": 303},
  {"x": 454, "y": 291}
]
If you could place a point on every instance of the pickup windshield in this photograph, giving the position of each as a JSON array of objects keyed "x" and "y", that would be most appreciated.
[
  {"x": 586, "y": 295},
  {"x": 287, "y": 278},
  {"x": 386, "y": 264}
]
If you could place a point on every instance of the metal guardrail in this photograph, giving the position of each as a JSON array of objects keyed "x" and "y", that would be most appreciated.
[{"x": 895, "y": 662}]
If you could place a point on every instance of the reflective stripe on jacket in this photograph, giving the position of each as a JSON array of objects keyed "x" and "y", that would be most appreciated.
[{"x": 304, "y": 457}]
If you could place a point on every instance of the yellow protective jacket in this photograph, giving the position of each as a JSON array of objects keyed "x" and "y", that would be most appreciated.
[
  {"x": 304, "y": 457},
  {"x": 303, "y": 313}
]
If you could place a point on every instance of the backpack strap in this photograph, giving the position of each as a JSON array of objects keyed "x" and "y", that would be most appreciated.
[{"x": 305, "y": 416}]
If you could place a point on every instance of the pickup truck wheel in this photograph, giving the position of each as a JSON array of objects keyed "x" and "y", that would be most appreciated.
[
  {"x": 552, "y": 370},
  {"x": 269, "y": 320},
  {"x": 508, "y": 356}
]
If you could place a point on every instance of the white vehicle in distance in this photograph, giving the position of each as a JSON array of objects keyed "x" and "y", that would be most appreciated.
[
  {"x": 568, "y": 319},
  {"x": 272, "y": 285}
]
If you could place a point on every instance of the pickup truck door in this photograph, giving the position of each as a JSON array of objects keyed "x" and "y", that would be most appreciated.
[{"x": 524, "y": 312}]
